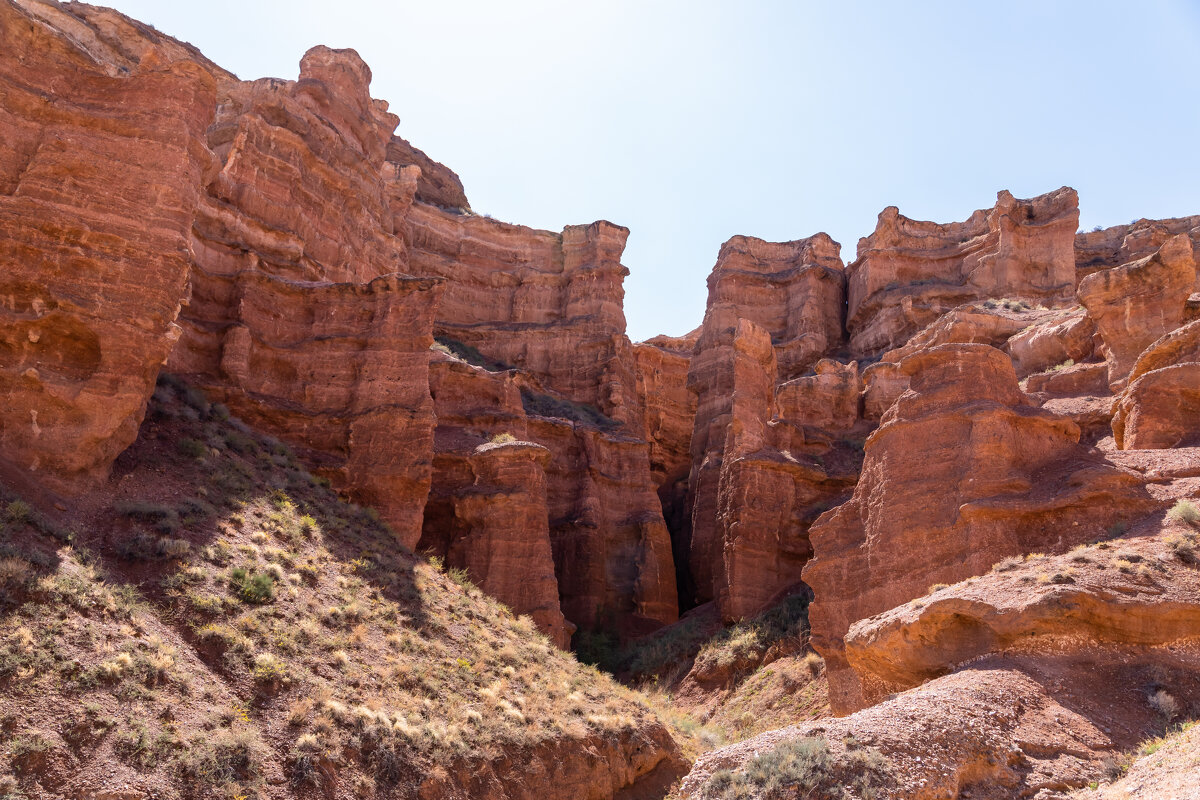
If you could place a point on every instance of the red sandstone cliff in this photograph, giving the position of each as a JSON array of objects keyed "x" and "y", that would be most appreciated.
[
  {"x": 93, "y": 275},
  {"x": 909, "y": 272},
  {"x": 859, "y": 427}
]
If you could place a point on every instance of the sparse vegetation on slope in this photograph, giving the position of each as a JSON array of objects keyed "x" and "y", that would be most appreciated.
[
  {"x": 718, "y": 684},
  {"x": 231, "y": 622},
  {"x": 802, "y": 768}
]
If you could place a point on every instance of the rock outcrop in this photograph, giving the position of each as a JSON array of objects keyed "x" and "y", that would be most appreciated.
[
  {"x": 549, "y": 304},
  {"x": 774, "y": 310},
  {"x": 1161, "y": 405},
  {"x": 1111, "y": 247},
  {"x": 1134, "y": 304},
  {"x": 549, "y": 307},
  {"x": 1037, "y": 605},
  {"x": 298, "y": 319},
  {"x": 487, "y": 512},
  {"x": 793, "y": 290},
  {"x": 668, "y": 406},
  {"x": 908, "y": 273},
  {"x": 962, "y": 472},
  {"x": 437, "y": 185},
  {"x": 612, "y": 550},
  {"x": 759, "y": 478},
  {"x": 93, "y": 275},
  {"x": 1052, "y": 342},
  {"x": 1002, "y": 728}
]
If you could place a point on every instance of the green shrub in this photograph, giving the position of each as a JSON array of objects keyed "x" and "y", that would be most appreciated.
[
  {"x": 192, "y": 448},
  {"x": 164, "y": 518},
  {"x": 1184, "y": 512},
  {"x": 545, "y": 405},
  {"x": 18, "y": 511},
  {"x": 597, "y": 647},
  {"x": 230, "y": 759},
  {"x": 252, "y": 587}
]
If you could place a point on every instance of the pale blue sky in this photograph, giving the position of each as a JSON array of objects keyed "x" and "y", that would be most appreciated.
[{"x": 689, "y": 121}]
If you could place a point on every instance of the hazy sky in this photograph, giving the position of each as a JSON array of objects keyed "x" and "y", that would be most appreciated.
[{"x": 690, "y": 121}]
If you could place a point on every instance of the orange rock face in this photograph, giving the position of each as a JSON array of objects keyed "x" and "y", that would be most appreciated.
[
  {"x": 774, "y": 309},
  {"x": 549, "y": 304},
  {"x": 670, "y": 415},
  {"x": 297, "y": 319},
  {"x": 487, "y": 510},
  {"x": 1136, "y": 303},
  {"x": 337, "y": 370},
  {"x": 1161, "y": 405},
  {"x": 962, "y": 472},
  {"x": 668, "y": 406},
  {"x": 759, "y": 480},
  {"x": 611, "y": 547},
  {"x": 908, "y": 273},
  {"x": 1033, "y": 606},
  {"x": 1112, "y": 247},
  {"x": 792, "y": 290},
  {"x": 1064, "y": 336},
  {"x": 93, "y": 274}
]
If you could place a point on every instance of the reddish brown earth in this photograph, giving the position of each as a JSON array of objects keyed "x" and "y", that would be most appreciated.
[{"x": 1031, "y": 678}]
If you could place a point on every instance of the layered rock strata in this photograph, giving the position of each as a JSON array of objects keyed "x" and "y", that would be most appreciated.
[
  {"x": 101, "y": 165},
  {"x": 298, "y": 319},
  {"x": 962, "y": 472},
  {"x": 793, "y": 290},
  {"x": 1038, "y": 605},
  {"x": 1111, "y": 247},
  {"x": 1135, "y": 303},
  {"x": 908, "y": 272},
  {"x": 611, "y": 547},
  {"x": 549, "y": 304},
  {"x": 1160, "y": 408},
  {"x": 760, "y": 478},
  {"x": 487, "y": 511},
  {"x": 774, "y": 309}
]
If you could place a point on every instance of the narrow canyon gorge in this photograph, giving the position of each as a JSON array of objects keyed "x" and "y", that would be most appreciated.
[{"x": 970, "y": 449}]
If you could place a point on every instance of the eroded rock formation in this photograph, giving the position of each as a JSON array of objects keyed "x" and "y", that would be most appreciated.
[
  {"x": 487, "y": 510},
  {"x": 1160, "y": 407},
  {"x": 1136, "y": 303},
  {"x": 585, "y": 480},
  {"x": 908, "y": 272},
  {"x": 1111, "y": 247},
  {"x": 91, "y": 274},
  {"x": 792, "y": 290},
  {"x": 962, "y": 472},
  {"x": 549, "y": 304},
  {"x": 298, "y": 319}
]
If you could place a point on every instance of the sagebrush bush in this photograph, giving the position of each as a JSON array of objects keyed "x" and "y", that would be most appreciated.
[
  {"x": 1184, "y": 512},
  {"x": 252, "y": 587},
  {"x": 801, "y": 768}
]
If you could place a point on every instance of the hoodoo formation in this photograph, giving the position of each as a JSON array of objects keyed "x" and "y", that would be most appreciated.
[{"x": 291, "y": 432}]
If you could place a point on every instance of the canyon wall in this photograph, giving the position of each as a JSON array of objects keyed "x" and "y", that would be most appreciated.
[
  {"x": 472, "y": 379},
  {"x": 92, "y": 274}
]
